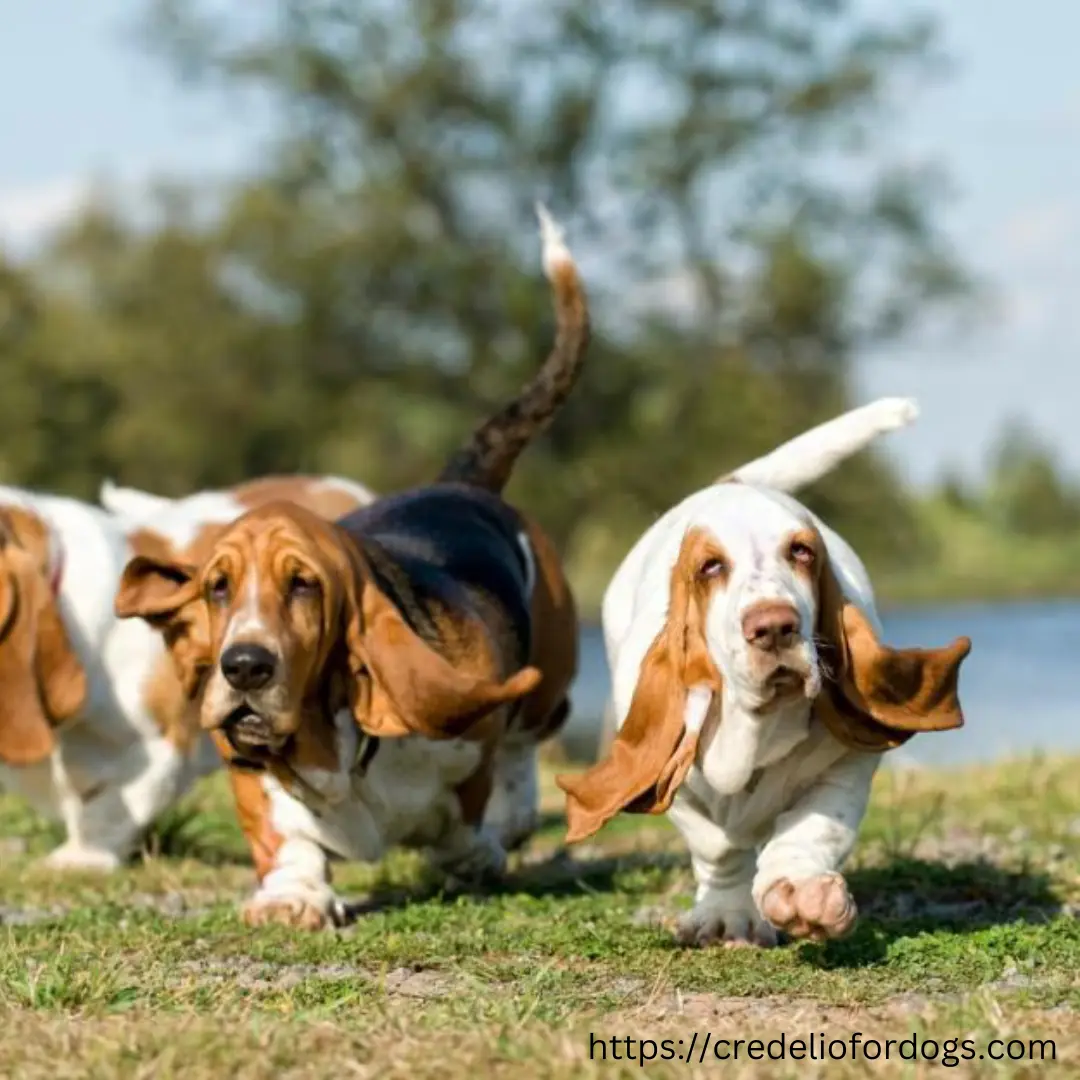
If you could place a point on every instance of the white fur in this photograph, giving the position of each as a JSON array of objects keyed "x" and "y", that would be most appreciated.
[
  {"x": 555, "y": 254},
  {"x": 792, "y": 465},
  {"x": 772, "y": 794},
  {"x": 113, "y": 771},
  {"x": 406, "y": 797},
  {"x": 180, "y": 519},
  {"x": 813, "y": 454}
]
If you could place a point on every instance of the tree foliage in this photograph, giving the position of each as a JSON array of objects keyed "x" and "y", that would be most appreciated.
[{"x": 372, "y": 288}]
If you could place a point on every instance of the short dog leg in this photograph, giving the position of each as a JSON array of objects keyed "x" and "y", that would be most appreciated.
[
  {"x": 798, "y": 886},
  {"x": 724, "y": 910}
]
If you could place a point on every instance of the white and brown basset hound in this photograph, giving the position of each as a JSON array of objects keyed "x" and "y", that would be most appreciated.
[
  {"x": 95, "y": 729},
  {"x": 754, "y": 699}
]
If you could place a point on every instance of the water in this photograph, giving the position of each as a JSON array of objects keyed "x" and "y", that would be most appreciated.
[{"x": 1018, "y": 687}]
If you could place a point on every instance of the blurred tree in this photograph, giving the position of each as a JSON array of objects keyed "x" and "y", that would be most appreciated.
[
  {"x": 1027, "y": 493},
  {"x": 372, "y": 289}
]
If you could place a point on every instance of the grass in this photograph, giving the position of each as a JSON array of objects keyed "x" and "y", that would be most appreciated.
[{"x": 966, "y": 882}]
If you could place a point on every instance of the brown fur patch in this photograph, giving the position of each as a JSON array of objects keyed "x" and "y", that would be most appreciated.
[
  {"x": 654, "y": 750},
  {"x": 554, "y": 640},
  {"x": 327, "y": 500},
  {"x": 43, "y": 680},
  {"x": 253, "y": 810}
]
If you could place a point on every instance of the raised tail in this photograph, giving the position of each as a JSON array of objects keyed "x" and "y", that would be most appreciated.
[
  {"x": 488, "y": 458},
  {"x": 815, "y": 453}
]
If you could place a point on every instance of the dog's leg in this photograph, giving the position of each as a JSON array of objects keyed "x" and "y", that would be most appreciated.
[
  {"x": 469, "y": 856},
  {"x": 512, "y": 813},
  {"x": 295, "y": 890},
  {"x": 798, "y": 886},
  {"x": 105, "y": 830},
  {"x": 724, "y": 910}
]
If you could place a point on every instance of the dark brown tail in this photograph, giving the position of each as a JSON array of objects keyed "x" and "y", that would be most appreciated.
[{"x": 488, "y": 458}]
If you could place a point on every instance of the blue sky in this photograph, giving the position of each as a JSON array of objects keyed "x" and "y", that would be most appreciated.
[{"x": 1006, "y": 124}]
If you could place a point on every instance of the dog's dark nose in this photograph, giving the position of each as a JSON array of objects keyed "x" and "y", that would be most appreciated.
[
  {"x": 771, "y": 625},
  {"x": 247, "y": 667}
]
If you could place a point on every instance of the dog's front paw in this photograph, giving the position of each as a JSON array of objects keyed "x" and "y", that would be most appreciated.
[
  {"x": 298, "y": 912},
  {"x": 817, "y": 908},
  {"x": 476, "y": 860},
  {"x": 730, "y": 925},
  {"x": 82, "y": 857}
]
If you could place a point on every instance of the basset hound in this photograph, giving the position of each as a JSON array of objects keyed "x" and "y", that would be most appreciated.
[
  {"x": 95, "y": 729},
  {"x": 388, "y": 677},
  {"x": 754, "y": 699},
  {"x": 793, "y": 465}
]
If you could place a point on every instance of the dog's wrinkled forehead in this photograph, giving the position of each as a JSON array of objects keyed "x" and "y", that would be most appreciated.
[
  {"x": 263, "y": 534},
  {"x": 751, "y": 523}
]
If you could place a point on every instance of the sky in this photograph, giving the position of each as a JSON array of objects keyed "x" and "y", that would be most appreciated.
[{"x": 1005, "y": 124}]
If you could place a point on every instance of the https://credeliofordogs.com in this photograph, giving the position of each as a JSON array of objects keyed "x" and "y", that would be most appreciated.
[{"x": 702, "y": 1046}]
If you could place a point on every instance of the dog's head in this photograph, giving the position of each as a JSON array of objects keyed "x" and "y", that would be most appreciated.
[
  {"x": 297, "y": 628},
  {"x": 756, "y": 610},
  {"x": 43, "y": 681}
]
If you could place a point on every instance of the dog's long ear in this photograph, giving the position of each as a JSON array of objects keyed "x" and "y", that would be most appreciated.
[
  {"x": 165, "y": 594},
  {"x": 44, "y": 683},
  {"x": 60, "y": 675},
  {"x": 875, "y": 697},
  {"x": 401, "y": 685},
  {"x": 657, "y": 743},
  {"x": 154, "y": 589},
  {"x": 26, "y": 734}
]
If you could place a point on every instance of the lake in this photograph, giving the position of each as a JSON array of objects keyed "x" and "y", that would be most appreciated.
[{"x": 1018, "y": 687}]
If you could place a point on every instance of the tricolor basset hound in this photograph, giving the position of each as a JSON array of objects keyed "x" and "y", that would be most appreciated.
[
  {"x": 388, "y": 676},
  {"x": 95, "y": 729},
  {"x": 754, "y": 699}
]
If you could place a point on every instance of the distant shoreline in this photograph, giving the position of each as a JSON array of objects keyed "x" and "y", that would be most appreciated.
[{"x": 888, "y": 605}]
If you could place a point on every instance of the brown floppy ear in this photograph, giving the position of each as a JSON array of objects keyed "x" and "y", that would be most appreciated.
[
  {"x": 154, "y": 589},
  {"x": 159, "y": 591},
  {"x": 43, "y": 680},
  {"x": 26, "y": 736},
  {"x": 876, "y": 697},
  {"x": 416, "y": 690},
  {"x": 60, "y": 674},
  {"x": 657, "y": 743}
]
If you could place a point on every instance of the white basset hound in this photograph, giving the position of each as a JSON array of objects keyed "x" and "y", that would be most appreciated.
[
  {"x": 94, "y": 727},
  {"x": 753, "y": 700}
]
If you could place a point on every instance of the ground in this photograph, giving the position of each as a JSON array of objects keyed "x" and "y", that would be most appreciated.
[{"x": 966, "y": 883}]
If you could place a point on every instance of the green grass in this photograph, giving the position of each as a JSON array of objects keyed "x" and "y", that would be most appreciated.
[
  {"x": 978, "y": 561},
  {"x": 965, "y": 882}
]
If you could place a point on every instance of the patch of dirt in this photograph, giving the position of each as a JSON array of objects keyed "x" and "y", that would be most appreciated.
[
  {"x": 258, "y": 975},
  {"x": 28, "y": 916}
]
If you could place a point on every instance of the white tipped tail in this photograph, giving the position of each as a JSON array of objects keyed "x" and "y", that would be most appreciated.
[
  {"x": 812, "y": 455},
  {"x": 555, "y": 252}
]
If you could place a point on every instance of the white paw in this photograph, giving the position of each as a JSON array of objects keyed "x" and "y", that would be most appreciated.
[
  {"x": 895, "y": 412},
  {"x": 817, "y": 907},
  {"x": 304, "y": 909},
  {"x": 733, "y": 924},
  {"x": 73, "y": 856},
  {"x": 513, "y": 810}
]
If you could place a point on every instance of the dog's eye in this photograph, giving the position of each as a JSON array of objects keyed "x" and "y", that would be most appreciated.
[
  {"x": 712, "y": 568},
  {"x": 217, "y": 589},
  {"x": 300, "y": 585},
  {"x": 802, "y": 553}
]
